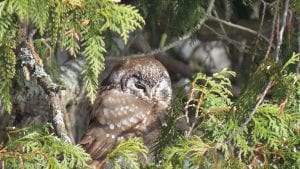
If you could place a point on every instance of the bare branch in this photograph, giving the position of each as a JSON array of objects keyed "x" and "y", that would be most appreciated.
[
  {"x": 184, "y": 37},
  {"x": 281, "y": 31},
  {"x": 270, "y": 83},
  {"x": 237, "y": 26},
  {"x": 237, "y": 44},
  {"x": 259, "y": 30},
  {"x": 273, "y": 29},
  {"x": 221, "y": 24}
]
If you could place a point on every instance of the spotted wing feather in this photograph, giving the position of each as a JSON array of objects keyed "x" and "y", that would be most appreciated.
[{"x": 117, "y": 115}]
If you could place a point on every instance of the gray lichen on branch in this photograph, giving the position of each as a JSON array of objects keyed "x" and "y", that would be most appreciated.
[{"x": 29, "y": 61}]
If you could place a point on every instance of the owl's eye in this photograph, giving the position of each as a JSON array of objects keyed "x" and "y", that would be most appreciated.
[{"x": 139, "y": 86}]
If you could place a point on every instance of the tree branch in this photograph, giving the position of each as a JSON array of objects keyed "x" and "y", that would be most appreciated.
[
  {"x": 237, "y": 26},
  {"x": 236, "y": 43},
  {"x": 273, "y": 29},
  {"x": 262, "y": 97},
  {"x": 280, "y": 33},
  {"x": 270, "y": 83},
  {"x": 28, "y": 59},
  {"x": 184, "y": 37}
]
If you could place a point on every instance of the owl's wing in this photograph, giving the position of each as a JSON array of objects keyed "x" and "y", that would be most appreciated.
[
  {"x": 115, "y": 114},
  {"x": 96, "y": 142},
  {"x": 122, "y": 111}
]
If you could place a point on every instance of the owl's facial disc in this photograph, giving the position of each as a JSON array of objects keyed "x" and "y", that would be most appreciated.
[
  {"x": 162, "y": 91},
  {"x": 135, "y": 86}
]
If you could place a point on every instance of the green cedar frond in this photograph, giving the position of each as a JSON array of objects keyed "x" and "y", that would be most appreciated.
[
  {"x": 293, "y": 60},
  {"x": 271, "y": 139},
  {"x": 267, "y": 70},
  {"x": 22, "y": 8},
  {"x": 188, "y": 153},
  {"x": 270, "y": 126},
  {"x": 35, "y": 147},
  {"x": 5, "y": 96},
  {"x": 93, "y": 52},
  {"x": 126, "y": 154},
  {"x": 209, "y": 97},
  {"x": 7, "y": 73},
  {"x": 169, "y": 133},
  {"x": 72, "y": 24},
  {"x": 5, "y": 24},
  {"x": 208, "y": 93},
  {"x": 71, "y": 43},
  {"x": 116, "y": 22},
  {"x": 39, "y": 13}
]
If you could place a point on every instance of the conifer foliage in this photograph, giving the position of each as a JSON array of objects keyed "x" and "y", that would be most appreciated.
[
  {"x": 205, "y": 128},
  {"x": 218, "y": 133},
  {"x": 34, "y": 147},
  {"x": 77, "y": 25}
]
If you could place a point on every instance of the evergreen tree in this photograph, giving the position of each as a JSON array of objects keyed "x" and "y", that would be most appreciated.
[{"x": 257, "y": 129}]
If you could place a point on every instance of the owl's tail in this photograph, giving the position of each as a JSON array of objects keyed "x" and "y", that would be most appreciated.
[{"x": 97, "y": 141}]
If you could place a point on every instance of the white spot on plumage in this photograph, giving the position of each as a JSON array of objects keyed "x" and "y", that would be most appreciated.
[
  {"x": 133, "y": 120},
  {"x": 141, "y": 115},
  {"x": 125, "y": 122},
  {"x": 113, "y": 136},
  {"x": 107, "y": 135},
  {"x": 111, "y": 126},
  {"x": 119, "y": 124},
  {"x": 145, "y": 120},
  {"x": 106, "y": 112}
]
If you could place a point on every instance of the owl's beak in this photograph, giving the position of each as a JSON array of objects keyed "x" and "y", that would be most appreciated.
[{"x": 149, "y": 92}]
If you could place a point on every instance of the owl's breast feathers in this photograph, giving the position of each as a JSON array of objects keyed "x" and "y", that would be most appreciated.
[{"x": 116, "y": 115}]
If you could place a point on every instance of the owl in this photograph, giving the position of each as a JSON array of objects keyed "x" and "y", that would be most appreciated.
[{"x": 129, "y": 103}]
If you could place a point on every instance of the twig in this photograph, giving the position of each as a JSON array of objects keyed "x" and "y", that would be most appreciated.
[
  {"x": 270, "y": 83},
  {"x": 273, "y": 30},
  {"x": 26, "y": 55},
  {"x": 237, "y": 44},
  {"x": 221, "y": 24},
  {"x": 163, "y": 49},
  {"x": 178, "y": 42},
  {"x": 260, "y": 28},
  {"x": 292, "y": 90},
  {"x": 237, "y": 26},
  {"x": 31, "y": 34},
  {"x": 279, "y": 40},
  {"x": 240, "y": 129},
  {"x": 228, "y": 9}
]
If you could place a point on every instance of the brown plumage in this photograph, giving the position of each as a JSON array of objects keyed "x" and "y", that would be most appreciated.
[{"x": 129, "y": 103}]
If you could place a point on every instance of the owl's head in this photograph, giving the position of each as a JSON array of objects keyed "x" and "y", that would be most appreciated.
[{"x": 143, "y": 77}]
